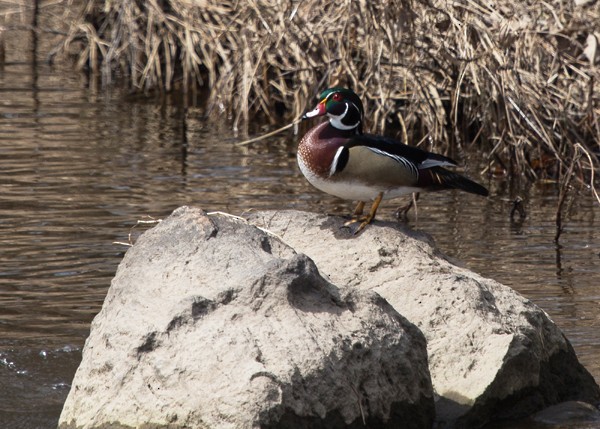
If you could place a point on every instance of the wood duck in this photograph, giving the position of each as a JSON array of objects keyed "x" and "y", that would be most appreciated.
[{"x": 337, "y": 158}]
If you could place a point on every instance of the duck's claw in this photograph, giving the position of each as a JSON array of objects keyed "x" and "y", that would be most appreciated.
[
  {"x": 362, "y": 226},
  {"x": 353, "y": 221},
  {"x": 364, "y": 220}
]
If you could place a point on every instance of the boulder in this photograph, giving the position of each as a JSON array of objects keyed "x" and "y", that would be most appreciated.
[
  {"x": 214, "y": 323},
  {"x": 493, "y": 354},
  {"x": 568, "y": 414}
]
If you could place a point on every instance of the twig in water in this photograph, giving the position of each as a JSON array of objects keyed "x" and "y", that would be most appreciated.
[
  {"x": 580, "y": 148},
  {"x": 564, "y": 189},
  {"x": 272, "y": 133},
  {"x": 139, "y": 222}
]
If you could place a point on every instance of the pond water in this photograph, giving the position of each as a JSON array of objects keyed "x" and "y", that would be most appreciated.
[{"x": 79, "y": 167}]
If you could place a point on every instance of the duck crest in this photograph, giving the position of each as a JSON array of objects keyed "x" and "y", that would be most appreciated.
[{"x": 318, "y": 148}]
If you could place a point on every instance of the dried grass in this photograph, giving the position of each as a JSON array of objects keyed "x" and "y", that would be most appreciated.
[{"x": 520, "y": 78}]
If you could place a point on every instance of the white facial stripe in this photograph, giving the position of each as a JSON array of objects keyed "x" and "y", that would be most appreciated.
[
  {"x": 336, "y": 120},
  {"x": 357, "y": 109},
  {"x": 360, "y": 118}
]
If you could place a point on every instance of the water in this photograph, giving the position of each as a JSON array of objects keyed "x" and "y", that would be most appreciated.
[{"x": 80, "y": 167}]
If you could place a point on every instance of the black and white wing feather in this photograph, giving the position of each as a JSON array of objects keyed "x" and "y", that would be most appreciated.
[{"x": 409, "y": 157}]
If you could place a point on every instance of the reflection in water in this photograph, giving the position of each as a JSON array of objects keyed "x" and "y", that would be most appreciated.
[{"x": 80, "y": 168}]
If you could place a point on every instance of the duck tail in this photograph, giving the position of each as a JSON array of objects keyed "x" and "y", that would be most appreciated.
[{"x": 437, "y": 178}]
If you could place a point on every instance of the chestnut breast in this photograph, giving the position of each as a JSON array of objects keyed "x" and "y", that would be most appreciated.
[{"x": 318, "y": 147}]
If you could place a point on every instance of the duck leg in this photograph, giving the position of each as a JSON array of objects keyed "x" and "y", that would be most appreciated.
[
  {"x": 364, "y": 220},
  {"x": 369, "y": 218},
  {"x": 402, "y": 212},
  {"x": 358, "y": 211},
  {"x": 357, "y": 214}
]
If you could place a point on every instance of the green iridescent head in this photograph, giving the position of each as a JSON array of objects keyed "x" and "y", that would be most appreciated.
[{"x": 343, "y": 106}]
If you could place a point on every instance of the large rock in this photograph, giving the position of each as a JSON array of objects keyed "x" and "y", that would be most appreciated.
[
  {"x": 492, "y": 353},
  {"x": 213, "y": 323}
]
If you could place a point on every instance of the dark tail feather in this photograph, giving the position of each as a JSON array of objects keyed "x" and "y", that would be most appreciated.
[{"x": 437, "y": 178}]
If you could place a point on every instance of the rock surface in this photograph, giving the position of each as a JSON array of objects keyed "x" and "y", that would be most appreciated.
[
  {"x": 214, "y": 323},
  {"x": 493, "y": 354}
]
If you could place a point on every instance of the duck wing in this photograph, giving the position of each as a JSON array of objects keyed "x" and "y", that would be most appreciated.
[
  {"x": 381, "y": 160},
  {"x": 409, "y": 157}
]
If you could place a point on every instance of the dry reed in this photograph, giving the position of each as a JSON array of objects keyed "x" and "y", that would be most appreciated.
[{"x": 522, "y": 79}]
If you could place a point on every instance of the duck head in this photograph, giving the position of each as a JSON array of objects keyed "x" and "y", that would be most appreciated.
[{"x": 342, "y": 106}]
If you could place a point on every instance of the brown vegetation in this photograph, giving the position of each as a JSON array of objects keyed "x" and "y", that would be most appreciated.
[{"x": 521, "y": 78}]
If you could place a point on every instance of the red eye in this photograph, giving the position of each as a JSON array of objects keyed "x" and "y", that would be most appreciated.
[{"x": 336, "y": 97}]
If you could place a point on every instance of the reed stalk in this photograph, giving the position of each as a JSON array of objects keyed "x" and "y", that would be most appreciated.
[{"x": 521, "y": 80}]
